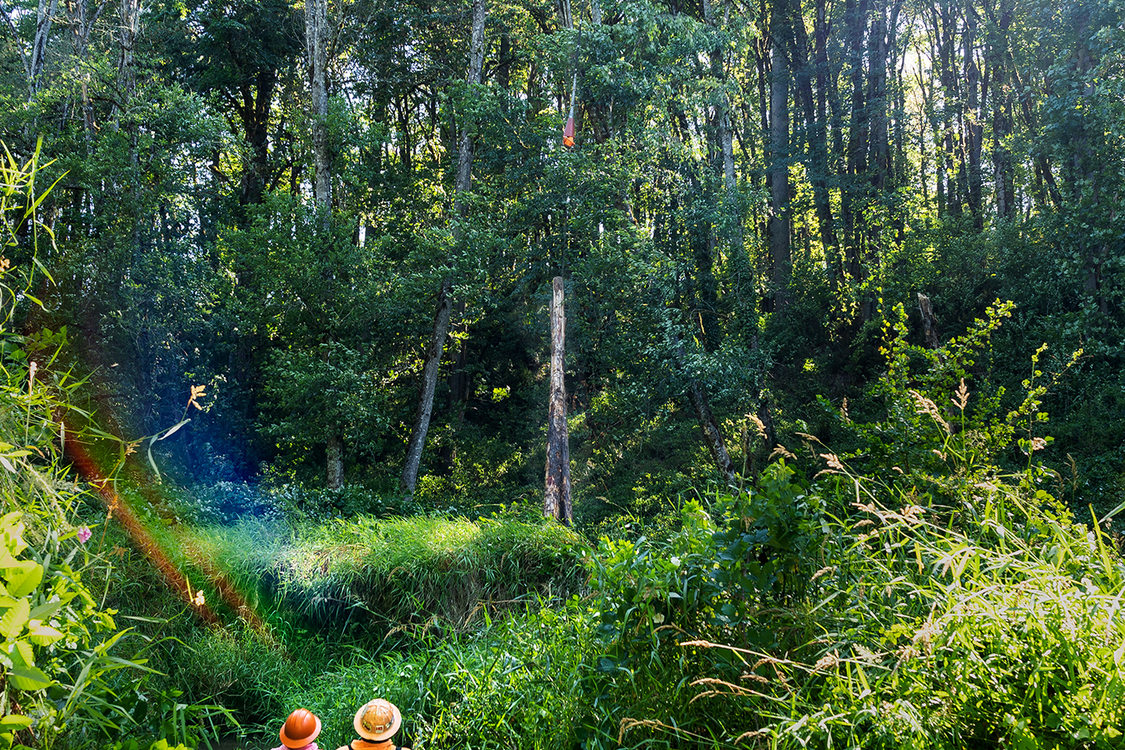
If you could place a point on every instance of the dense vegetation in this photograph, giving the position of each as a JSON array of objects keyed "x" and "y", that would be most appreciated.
[{"x": 274, "y": 339}]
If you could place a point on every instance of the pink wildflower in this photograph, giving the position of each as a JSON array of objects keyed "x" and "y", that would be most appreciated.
[{"x": 84, "y": 534}]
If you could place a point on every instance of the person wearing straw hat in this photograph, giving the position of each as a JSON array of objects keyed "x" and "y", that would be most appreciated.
[
  {"x": 376, "y": 723},
  {"x": 299, "y": 731}
]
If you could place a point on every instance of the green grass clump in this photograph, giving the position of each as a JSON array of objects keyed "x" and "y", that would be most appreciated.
[{"x": 416, "y": 568}]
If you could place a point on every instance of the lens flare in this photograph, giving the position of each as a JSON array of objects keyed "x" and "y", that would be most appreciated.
[{"x": 120, "y": 508}]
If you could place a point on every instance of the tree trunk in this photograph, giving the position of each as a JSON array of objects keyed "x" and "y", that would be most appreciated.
[
  {"x": 879, "y": 149},
  {"x": 254, "y": 112},
  {"x": 44, "y": 19},
  {"x": 81, "y": 22},
  {"x": 779, "y": 221},
  {"x": 974, "y": 128},
  {"x": 316, "y": 49},
  {"x": 1002, "y": 124},
  {"x": 709, "y": 426},
  {"x": 127, "y": 74},
  {"x": 445, "y": 302},
  {"x": 816, "y": 135},
  {"x": 944, "y": 27},
  {"x": 556, "y": 496},
  {"x": 316, "y": 46},
  {"x": 335, "y": 460},
  {"x": 929, "y": 322},
  {"x": 852, "y": 208},
  {"x": 127, "y": 33}
]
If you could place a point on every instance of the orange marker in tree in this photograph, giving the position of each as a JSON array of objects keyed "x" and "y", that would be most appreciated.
[{"x": 568, "y": 130}]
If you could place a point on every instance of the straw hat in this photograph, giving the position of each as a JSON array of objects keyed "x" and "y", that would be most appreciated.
[
  {"x": 377, "y": 720},
  {"x": 300, "y": 729}
]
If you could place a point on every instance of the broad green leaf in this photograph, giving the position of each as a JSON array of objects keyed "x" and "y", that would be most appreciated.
[
  {"x": 42, "y": 635},
  {"x": 14, "y": 620},
  {"x": 23, "y": 577},
  {"x": 23, "y": 655},
  {"x": 44, "y": 611},
  {"x": 28, "y": 678},
  {"x": 14, "y": 722}
]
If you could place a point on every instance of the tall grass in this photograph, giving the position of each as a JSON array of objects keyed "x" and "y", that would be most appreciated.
[
  {"x": 416, "y": 568},
  {"x": 997, "y": 623},
  {"x": 514, "y": 682}
]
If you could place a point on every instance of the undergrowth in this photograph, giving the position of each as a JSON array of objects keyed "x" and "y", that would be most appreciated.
[
  {"x": 918, "y": 598},
  {"x": 421, "y": 567}
]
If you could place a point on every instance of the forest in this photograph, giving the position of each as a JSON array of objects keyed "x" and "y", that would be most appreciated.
[{"x": 573, "y": 374}]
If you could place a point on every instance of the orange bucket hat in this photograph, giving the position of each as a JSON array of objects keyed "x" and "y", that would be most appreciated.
[
  {"x": 300, "y": 729},
  {"x": 377, "y": 720}
]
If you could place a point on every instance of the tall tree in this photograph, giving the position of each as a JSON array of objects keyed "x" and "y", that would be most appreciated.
[
  {"x": 238, "y": 51},
  {"x": 779, "y": 228},
  {"x": 434, "y": 351},
  {"x": 316, "y": 49},
  {"x": 999, "y": 14},
  {"x": 816, "y": 130}
]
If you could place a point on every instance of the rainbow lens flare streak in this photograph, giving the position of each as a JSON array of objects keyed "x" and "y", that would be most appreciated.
[{"x": 118, "y": 507}]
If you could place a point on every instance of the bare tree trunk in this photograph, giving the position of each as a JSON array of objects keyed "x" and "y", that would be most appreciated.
[
  {"x": 127, "y": 33},
  {"x": 316, "y": 50},
  {"x": 556, "y": 496},
  {"x": 778, "y": 170},
  {"x": 335, "y": 453},
  {"x": 441, "y": 319},
  {"x": 44, "y": 19},
  {"x": 316, "y": 45},
  {"x": 929, "y": 322}
]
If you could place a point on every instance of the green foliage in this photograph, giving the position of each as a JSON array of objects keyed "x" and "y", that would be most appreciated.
[
  {"x": 866, "y": 612},
  {"x": 1003, "y": 631},
  {"x": 62, "y": 682},
  {"x": 54, "y": 658},
  {"x": 187, "y": 253},
  {"x": 941, "y": 423}
]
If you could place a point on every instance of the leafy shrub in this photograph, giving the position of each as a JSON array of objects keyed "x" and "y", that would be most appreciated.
[
  {"x": 715, "y": 571},
  {"x": 718, "y": 574}
]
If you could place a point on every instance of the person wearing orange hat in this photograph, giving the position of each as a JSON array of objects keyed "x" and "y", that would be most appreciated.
[
  {"x": 376, "y": 723},
  {"x": 299, "y": 731}
]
